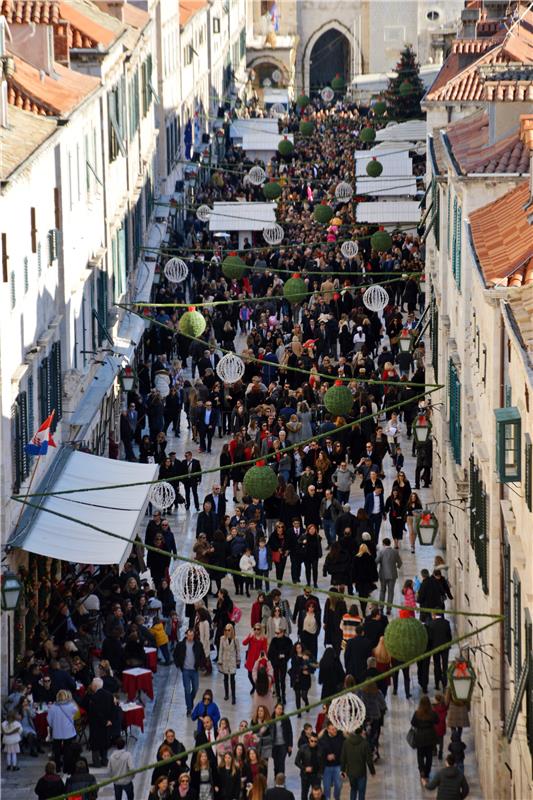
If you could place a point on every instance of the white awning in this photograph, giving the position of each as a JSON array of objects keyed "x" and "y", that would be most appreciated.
[
  {"x": 388, "y": 212},
  {"x": 241, "y": 216},
  {"x": 258, "y": 125},
  {"x": 414, "y": 130},
  {"x": 116, "y": 510}
]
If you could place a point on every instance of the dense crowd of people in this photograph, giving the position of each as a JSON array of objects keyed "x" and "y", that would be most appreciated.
[{"x": 331, "y": 521}]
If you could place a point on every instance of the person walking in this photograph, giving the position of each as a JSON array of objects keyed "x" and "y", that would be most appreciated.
[
  {"x": 61, "y": 723},
  {"x": 257, "y": 644},
  {"x": 439, "y": 633},
  {"x": 308, "y": 761},
  {"x": 188, "y": 657},
  {"x": 50, "y": 784},
  {"x": 356, "y": 759},
  {"x": 330, "y": 508},
  {"x": 388, "y": 562},
  {"x": 450, "y": 782},
  {"x": 358, "y": 650},
  {"x": 121, "y": 762},
  {"x": 375, "y": 508},
  {"x": 425, "y": 737},
  {"x": 282, "y": 738},
  {"x": 229, "y": 660},
  {"x": 190, "y": 469},
  {"x": 278, "y": 791},
  {"x": 279, "y": 653},
  {"x": 330, "y": 744},
  {"x": 342, "y": 479}
]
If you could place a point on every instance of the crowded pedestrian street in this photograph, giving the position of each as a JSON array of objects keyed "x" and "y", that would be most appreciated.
[{"x": 270, "y": 481}]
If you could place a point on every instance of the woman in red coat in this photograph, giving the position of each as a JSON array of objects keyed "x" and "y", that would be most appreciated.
[
  {"x": 257, "y": 647},
  {"x": 257, "y": 610},
  {"x": 441, "y": 709}
]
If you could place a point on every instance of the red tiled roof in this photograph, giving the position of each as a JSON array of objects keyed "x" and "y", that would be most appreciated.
[
  {"x": 45, "y": 12},
  {"x": 471, "y": 45},
  {"x": 459, "y": 83},
  {"x": 135, "y": 17},
  {"x": 32, "y": 90},
  {"x": 503, "y": 239},
  {"x": 188, "y": 8},
  {"x": 469, "y": 142},
  {"x": 85, "y": 32}
]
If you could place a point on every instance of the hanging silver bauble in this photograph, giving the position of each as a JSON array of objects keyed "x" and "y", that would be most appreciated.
[
  {"x": 230, "y": 368},
  {"x": 344, "y": 192},
  {"x": 276, "y": 76},
  {"x": 176, "y": 270},
  {"x": 327, "y": 94},
  {"x": 256, "y": 175},
  {"x": 277, "y": 110},
  {"x": 376, "y": 298},
  {"x": 162, "y": 495},
  {"x": 190, "y": 582},
  {"x": 347, "y": 712},
  {"x": 203, "y": 213},
  {"x": 349, "y": 249},
  {"x": 273, "y": 234}
]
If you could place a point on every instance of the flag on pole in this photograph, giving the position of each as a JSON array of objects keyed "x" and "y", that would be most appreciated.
[{"x": 42, "y": 439}]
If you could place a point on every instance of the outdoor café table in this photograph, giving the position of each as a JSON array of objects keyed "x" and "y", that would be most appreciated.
[
  {"x": 41, "y": 722},
  {"x": 137, "y": 679},
  {"x": 133, "y": 714},
  {"x": 151, "y": 658}
]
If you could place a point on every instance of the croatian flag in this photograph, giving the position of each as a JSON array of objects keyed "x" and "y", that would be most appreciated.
[{"x": 42, "y": 439}]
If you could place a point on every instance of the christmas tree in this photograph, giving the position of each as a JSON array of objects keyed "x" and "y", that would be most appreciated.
[{"x": 405, "y": 91}]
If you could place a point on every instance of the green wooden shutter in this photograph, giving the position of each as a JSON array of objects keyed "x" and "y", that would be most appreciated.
[
  {"x": 45, "y": 398},
  {"x": 435, "y": 339},
  {"x": 507, "y": 583},
  {"x": 527, "y": 471},
  {"x": 56, "y": 383},
  {"x": 517, "y": 626},
  {"x": 454, "y": 394}
]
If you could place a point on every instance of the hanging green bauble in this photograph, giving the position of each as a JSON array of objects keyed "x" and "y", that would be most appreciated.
[
  {"x": 374, "y": 168},
  {"x": 233, "y": 267},
  {"x": 295, "y": 289},
  {"x": 192, "y": 323},
  {"x": 302, "y": 101},
  {"x": 381, "y": 240},
  {"x": 367, "y": 135},
  {"x": 272, "y": 190},
  {"x": 307, "y": 127},
  {"x": 379, "y": 108},
  {"x": 338, "y": 399},
  {"x": 323, "y": 214},
  {"x": 337, "y": 84},
  {"x": 405, "y": 88},
  {"x": 285, "y": 148},
  {"x": 260, "y": 481},
  {"x": 406, "y": 638}
]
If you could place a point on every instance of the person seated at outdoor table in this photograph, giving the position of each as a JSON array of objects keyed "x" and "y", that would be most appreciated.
[
  {"x": 112, "y": 650},
  {"x": 105, "y": 672},
  {"x": 134, "y": 655},
  {"x": 147, "y": 638},
  {"x": 42, "y": 689},
  {"x": 50, "y": 784},
  {"x": 85, "y": 641},
  {"x": 13, "y": 699},
  {"x": 26, "y": 715},
  {"x": 81, "y": 671}
]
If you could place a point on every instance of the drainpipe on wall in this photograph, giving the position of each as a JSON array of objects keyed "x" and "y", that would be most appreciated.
[{"x": 502, "y": 541}]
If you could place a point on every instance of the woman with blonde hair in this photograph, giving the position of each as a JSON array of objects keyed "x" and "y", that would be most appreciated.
[
  {"x": 60, "y": 720},
  {"x": 258, "y": 788},
  {"x": 365, "y": 574}
]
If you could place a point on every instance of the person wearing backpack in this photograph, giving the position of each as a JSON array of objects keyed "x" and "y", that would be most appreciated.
[{"x": 229, "y": 660}]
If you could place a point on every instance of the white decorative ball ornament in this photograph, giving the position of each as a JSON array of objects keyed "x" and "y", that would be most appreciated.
[
  {"x": 203, "y": 213},
  {"x": 344, "y": 192},
  {"x": 349, "y": 249},
  {"x": 278, "y": 110},
  {"x": 190, "y": 582},
  {"x": 267, "y": 83},
  {"x": 273, "y": 234},
  {"x": 376, "y": 298},
  {"x": 176, "y": 270},
  {"x": 162, "y": 495},
  {"x": 276, "y": 76},
  {"x": 327, "y": 94},
  {"x": 230, "y": 368},
  {"x": 256, "y": 175},
  {"x": 347, "y": 712}
]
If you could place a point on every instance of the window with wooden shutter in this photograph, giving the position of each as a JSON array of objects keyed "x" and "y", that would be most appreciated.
[
  {"x": 26, "y": 275},
  {"x": 454, "y": 397},
  {"x": 19, "y": 438},
  {"x": 45, "y": 395},
  {"x": 456, "y": 242},
  {"x": 517, "y": 626},
  {"x": 479, "y": 523},
  {"x": 507, "y": 592},
  {"x": 527, "y": 471},
  {"x": 435, "y": 339},
  {"x": 33, "y": 230},
  {"x": 56, "y": 384}
]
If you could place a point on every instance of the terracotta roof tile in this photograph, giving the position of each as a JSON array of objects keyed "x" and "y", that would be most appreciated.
[
  {"x": 503, "y": 239},
  {"x": 45, "y": 12},
  {"x": 35, "y": 91},
  {"x": 471, "y": 45},
  {"x": 188, "y": 8},
  {"x": 469, "y": 143},
  {"x": 135, "y": 17},
  {"x": 24, "y": 134},
  {"x": 459, "y": 83},
  {"x": 89, "y": 26}
]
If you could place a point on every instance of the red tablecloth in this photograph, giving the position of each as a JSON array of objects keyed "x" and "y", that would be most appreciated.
[
  {"x": 133, "y": 716},
  {"x": 41, "y": 724},
  {"x": 136, "y": 680},
  {"x": 151, "y": 658}
]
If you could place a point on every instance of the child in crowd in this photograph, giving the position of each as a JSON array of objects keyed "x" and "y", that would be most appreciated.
[
  {"x": 12, "y": 734},
  {"x": 247, "y": 564}
]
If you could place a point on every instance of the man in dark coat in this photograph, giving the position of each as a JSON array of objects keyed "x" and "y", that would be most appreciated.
[
  {"x": 375, "y": 625},
  {"x": 218, "y": 503},
  {"x": 429, "y": 595},
  {"x": 278, "y": 791},
  {"x": 358, "y": 650},
  {"x": 439, "y": 633},
  {"x": 99, "y": 704},
  {"x": 451, "y": 782},
  {"x": 190, "y": 469}
]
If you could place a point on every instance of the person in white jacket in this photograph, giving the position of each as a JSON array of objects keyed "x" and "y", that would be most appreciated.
[{"x": 247, "y": 564}]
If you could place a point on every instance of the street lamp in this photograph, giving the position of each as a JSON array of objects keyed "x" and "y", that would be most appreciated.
[
  {"x": 421, "y": 429},
  {"x": 427, "y": 526},
  {"x": 127, "y": 379},
  {"x": 11, "y": 589},
  {"x": 462, "y": 679},
  {"x": 406, "y": 341},
  {"x": 157, "y": 277}
]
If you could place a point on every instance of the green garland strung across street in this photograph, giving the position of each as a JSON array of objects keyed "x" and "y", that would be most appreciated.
[
  {"x": 253, "y": 359},
  {"x": 249, "y": 462},
  {"x": 287, "y": 715},
  {"x": 230, "y": 571}
]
